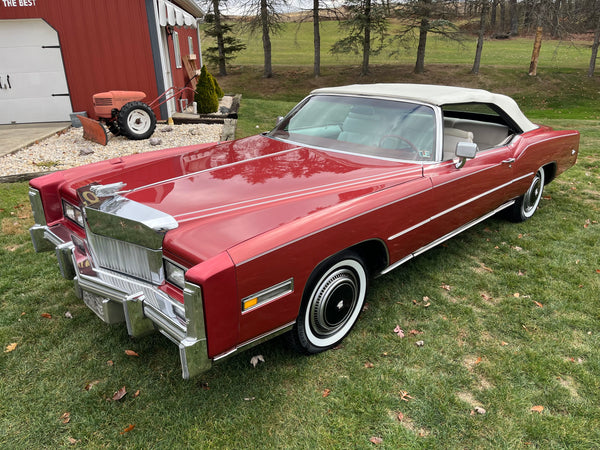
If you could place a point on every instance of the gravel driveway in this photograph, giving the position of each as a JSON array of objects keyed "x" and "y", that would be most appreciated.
[{"x": 70, "y": 149}]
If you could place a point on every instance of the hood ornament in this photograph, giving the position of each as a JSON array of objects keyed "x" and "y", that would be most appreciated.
[{"x": 107, "y": 190}]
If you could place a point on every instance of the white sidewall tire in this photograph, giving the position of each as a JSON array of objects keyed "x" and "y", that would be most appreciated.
[{"x": 329, "y": 340}]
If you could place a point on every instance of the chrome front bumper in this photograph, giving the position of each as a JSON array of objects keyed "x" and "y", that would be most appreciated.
[{"x": 117, "y": 298}]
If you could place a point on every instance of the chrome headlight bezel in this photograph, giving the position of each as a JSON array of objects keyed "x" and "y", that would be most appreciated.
[
  {"x": 174, "y": 273},
  {"x": 73, "y": 213}
]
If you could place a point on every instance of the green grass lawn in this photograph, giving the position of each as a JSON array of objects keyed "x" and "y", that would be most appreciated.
[
  {"x": 294, "y": 46},
  {"x": 509, "y": 315}
]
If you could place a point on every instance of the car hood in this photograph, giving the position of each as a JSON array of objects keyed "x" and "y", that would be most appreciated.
[{"x": 230, "y": 192}]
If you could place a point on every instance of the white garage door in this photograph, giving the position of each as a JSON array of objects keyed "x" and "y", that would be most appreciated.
[{"x": 32, "y": 75}]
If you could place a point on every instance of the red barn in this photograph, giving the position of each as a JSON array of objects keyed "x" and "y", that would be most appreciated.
[{"x": 55, "y": 54}]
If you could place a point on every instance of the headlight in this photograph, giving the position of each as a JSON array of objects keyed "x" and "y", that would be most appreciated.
[
  {"x": 175, "y": 274},
  {"x": 73, "y": 213}
]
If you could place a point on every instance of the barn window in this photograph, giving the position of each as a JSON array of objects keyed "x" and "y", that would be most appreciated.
[
  {"x": 191, "y": 45},
  {"x": 177, "y": 49}
]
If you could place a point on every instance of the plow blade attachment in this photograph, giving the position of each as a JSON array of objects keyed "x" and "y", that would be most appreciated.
[{"x": 93, "y": 130}]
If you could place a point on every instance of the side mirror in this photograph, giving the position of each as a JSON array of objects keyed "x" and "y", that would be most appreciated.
[
  {"x": 279, "y": 119},
  {"x": 464, "y": 151}
]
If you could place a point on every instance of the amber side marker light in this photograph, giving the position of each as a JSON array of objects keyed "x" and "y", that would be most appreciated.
[{"x": 268, "y": 295}]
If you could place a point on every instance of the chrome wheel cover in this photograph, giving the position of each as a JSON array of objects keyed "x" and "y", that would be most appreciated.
[
  {"x": 335, "y": 303},
  {"x": 532, "y": 197}
]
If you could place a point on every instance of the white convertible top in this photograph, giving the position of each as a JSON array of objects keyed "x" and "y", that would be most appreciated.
[{"x": 435, "y": 95}]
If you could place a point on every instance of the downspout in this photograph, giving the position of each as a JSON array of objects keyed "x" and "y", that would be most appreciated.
[
  {"x": 198, "y": 22},
  {"x": 157, "y": 50}
]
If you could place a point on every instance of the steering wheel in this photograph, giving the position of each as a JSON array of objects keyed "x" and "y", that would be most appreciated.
[{"x": 411, "y": 149}]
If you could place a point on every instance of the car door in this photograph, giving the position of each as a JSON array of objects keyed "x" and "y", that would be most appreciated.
[{"x": 463, "y": 195}]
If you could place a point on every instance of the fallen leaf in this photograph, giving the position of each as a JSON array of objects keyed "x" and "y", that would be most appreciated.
[
  {"x": 521, "y": 273},
  {"x": 11, "y": 347},
  {"x": 376, "y": 440},
  {"x": 68, "y": 315},
  {"x": 404, "y": 396},
  {"x": 478, "y": 360},
  {"x": 46, "y": 316},
  {"x": 91, "y": 384},
  {"x": 446, "y": 287},
  {"x": 119, "y": 394},
  {"x": 256, "y": 359},
  {"x": 326, "y": 392},
  {"x": 486, "y": 297},
  {"x": 128, "y": 428},
  {"x": 400, "y": 417},
  {"x": 414, "y": 332},
  {"x": 504, "y": 344},
  {"x": 520, "y": 236},
  {"x": 538, "y": 304},
  {"x": 73, "y": 441},
  {"x": 426, "y": 301},
  {"x": 420, "y": 343},
  {"x": 399, "y": 331},
  {"x": 369, "y": 365},
  {"x": 131, "y": 353},
  {"x": 110, "y": 363},
  {"x": 249, "y": 399},
  {"x": 537, "y": 408},
  {"x": 66, "y": 417},
  {"x": 137, "y": 394},
  {"x": 516, "y": 295},
  {"x": 480, "y": 410}
]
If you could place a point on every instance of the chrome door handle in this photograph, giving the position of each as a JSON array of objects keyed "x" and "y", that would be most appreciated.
[{"x": 508, "y": 161}]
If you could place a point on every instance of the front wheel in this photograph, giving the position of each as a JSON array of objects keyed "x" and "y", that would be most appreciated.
[
  {"x": 526, "y": 205},
  {"x": 331, "y": 305},
  {"x": 136, "y": 120}
]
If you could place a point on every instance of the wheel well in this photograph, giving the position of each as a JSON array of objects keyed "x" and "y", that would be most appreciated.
[
  {"x": 374, "y": 253},
  {"x": 549, "y": 172}
]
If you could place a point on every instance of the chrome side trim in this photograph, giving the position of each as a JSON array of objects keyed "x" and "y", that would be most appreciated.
[
  {"x": 446, "y": 237},
  {"x": 333, "y": 225},
  {"x": 269, "y": 295},
  {"x": 457, "y": 206},
  {"x": 257, "y": 340}
]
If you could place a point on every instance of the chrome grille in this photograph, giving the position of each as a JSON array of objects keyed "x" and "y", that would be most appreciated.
[{"x": 126, "y": 258}]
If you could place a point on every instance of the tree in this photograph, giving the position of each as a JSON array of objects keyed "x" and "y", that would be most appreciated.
[
  {"x": 595, "y": 45},
  {"x": 424, "y": 17},
  {"x": 264, "y": 16},
  {"x": 316, "y": 39},
  {"x": 366, "y": 26},
  {"x": 227, "y": 45},
  {"x": 481, "y": 36},
  {"x": 206, "y": 96}
]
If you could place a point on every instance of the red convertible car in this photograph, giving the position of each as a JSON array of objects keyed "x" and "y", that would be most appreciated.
[{"x": 220, "y": 246}]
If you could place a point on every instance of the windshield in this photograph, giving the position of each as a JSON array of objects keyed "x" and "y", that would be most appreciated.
[{"x": 367, "y": 126}]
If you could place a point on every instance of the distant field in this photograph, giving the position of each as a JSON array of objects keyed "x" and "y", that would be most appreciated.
[{"x": 294, "y": 46}]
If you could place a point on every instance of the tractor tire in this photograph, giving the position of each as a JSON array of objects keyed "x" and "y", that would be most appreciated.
[{"x": 136, "y": 121}]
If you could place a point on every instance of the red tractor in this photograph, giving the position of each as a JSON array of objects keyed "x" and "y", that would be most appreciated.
[{"x": 125, "y": 114}]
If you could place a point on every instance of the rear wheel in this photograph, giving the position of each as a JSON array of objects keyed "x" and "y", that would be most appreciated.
[
  {"x": 331, "y": 305},
  {"x": 136, "y": 120},
  {"x": 526, "y": 205}
]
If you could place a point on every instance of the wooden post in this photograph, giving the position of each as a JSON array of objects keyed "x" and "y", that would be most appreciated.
[{"x": 537, "y": 44}]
